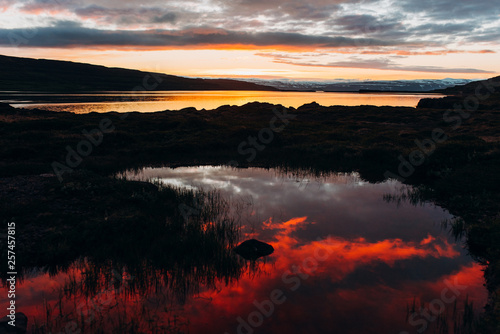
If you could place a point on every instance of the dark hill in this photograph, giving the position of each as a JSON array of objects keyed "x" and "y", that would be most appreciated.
[
  {"x": 485, "y": 93},
  {"x": 470, "y": 88},
  {"x": 27, "y": 74}
]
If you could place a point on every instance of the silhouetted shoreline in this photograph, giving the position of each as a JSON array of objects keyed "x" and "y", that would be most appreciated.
[{"x": 370, "y": 140}]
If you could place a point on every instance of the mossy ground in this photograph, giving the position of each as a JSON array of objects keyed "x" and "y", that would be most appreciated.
[{"x": 461, "y": 174}]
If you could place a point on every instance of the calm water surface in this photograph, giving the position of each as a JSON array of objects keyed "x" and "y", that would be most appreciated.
[
  {"x": 346, "y": 260},
  {"x": 158, "y": 101}
]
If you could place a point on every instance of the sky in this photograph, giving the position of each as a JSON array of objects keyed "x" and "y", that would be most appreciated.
[{"x": 269, "y": 39}]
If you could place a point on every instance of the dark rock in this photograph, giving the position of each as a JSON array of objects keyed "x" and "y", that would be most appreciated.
[
  {"x": 439, "y": 103},
  {"x": 7, "y": 108},
  {"x": 253, "y": 249},
  {"x": 189, "y": 109},
  {"x": 313, "y": 105},
  {"x": 21, "y": 324},
  {"x": 462, "y": 101},
  {"x": 145, "y": 186}
]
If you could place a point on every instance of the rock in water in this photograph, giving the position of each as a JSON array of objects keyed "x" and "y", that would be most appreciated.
[
  {"x": 253, "y": 249},
  {"x": 20, "y": 327}
]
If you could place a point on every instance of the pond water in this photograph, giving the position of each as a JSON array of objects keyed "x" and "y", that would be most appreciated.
[
  {"x": 348, "y": 259},
  {"x": 175, "y": 100}
]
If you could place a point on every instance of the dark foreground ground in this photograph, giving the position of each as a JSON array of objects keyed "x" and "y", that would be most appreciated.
[{"x": 55, "y": 167}]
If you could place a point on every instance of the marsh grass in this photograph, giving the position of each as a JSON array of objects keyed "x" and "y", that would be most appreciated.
[
  {"x": 461, "y": 317},
  {"x": 406, "y": 194},
  {"x": 135, "y": 244},
  {"x": 116, "y": 314},
  {"x": 472, "y": 201},
  {"x": 366, "y": 139},
  {"x": 94, "y": 216}
]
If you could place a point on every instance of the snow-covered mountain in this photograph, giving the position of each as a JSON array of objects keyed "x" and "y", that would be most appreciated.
[{"x": 355, "y": 86}]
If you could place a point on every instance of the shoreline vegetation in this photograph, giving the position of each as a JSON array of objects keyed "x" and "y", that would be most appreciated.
[{"x": 459, "y": 171}]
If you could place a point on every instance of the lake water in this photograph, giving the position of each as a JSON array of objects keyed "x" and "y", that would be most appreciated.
[
  {"x": 175, "y": 100},
  {"x": 347, "y": 259}
]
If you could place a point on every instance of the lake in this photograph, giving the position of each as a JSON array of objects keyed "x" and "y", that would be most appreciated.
[
  {"x": 175, "y": 100},
  {"x": 350, "y": 257}
]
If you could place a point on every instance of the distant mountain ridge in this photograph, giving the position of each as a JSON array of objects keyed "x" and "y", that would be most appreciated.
[
  {"x": 356, "y": 86},
  {"x": 28, "y": 74}
]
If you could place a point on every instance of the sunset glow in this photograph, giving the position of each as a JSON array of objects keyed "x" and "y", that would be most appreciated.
[
  {"x": 320, "y": 40},
  {"x": 249, "y": 166}
]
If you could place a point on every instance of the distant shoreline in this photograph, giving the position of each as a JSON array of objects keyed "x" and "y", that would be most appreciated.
[{"x": 146, "y": 101}]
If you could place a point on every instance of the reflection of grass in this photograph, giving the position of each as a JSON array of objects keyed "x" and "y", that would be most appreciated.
[
  {"x": 474, "y": 203},
  {"x": 456, "y": 318},
  {"x": 461, "y": 175},
  {"x": 134, "y": 228},
  {"x": 132, "y": 224},
  {"x": 405, "y": 194},
  {"x": 102, "y": 218},
  {"x": 112, "y": 312}
]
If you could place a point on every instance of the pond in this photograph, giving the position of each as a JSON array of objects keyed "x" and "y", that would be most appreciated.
[{"x": 349, "y": 257}]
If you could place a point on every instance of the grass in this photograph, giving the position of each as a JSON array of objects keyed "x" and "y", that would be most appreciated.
[
  {"x": 458, "y": 319},
  {"x": 461, "y": 175},
  {"x": 368, "y": 139},
  {"x": 102, "y": 218},
  {"x": 129, "y": 241},
  {"x": 474, "y": 204}
]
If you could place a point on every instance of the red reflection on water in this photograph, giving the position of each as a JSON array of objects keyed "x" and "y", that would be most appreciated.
[
  {"x": 332, "y": 283},
  {"x": 351, "y": 253},
  {"x": 31, "y": 293},
  {"x": 313, "y": 277}
]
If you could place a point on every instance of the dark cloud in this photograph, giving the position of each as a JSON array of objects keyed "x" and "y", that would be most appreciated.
[
  {"x": 43, "y": 5},
  {"x": 381, "y": 64},
  {"x": 126, "y": 15},
  {"x": 410, "y": 28},
  {"x": 70, "y": 34},
  {"x": 452, "y": 9},
  {"x": 445, "y": 29},
  {"x": 314, "y": 9},
  {"x": 308, "y": 11},
  {"x": 484, "y": 37},
  {"x": 394, "y": 28},
  {"x": 366, "y": 24},
  {"x": 168, "y": 17}
]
